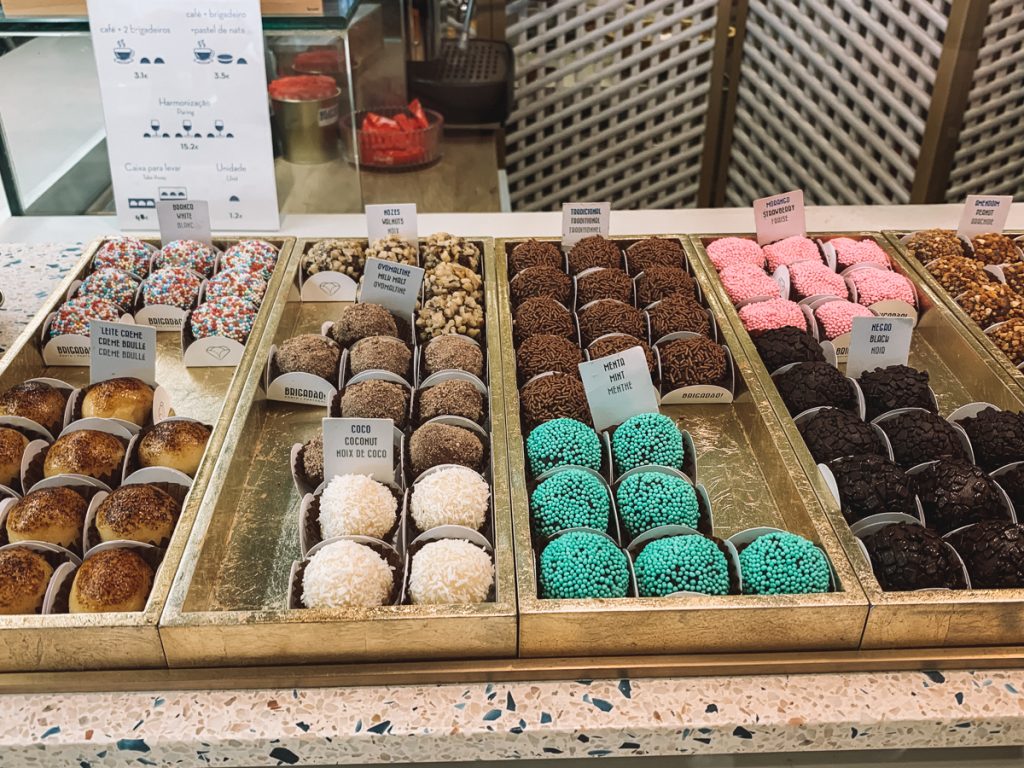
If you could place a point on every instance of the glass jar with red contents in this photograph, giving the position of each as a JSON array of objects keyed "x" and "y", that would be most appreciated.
[{"x": 394, "y": 137}]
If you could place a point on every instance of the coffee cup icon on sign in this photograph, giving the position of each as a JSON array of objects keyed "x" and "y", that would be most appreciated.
[
  {"x": 123, "y": 54},
  {"x": 203, "y": 54}
]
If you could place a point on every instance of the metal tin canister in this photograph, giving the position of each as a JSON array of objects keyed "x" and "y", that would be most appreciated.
[{"x": 308, "y": 129}]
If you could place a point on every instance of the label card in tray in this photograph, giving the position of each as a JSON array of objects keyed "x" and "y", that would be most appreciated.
[
  {"x": 392, "y": 219},
  {"x": 395, "y": 287},
  {"x": 779, "y": 216},
  {"x": 983, "y": 214},
  {"x": 580, "y": 220},
  {"x": 359, "y": 447},
  {"x": 184, "y": 220},
  {"x": 618, "y": 386},
  {"x": 877, "y": 342},
  {"x": 118, "y": 350}
]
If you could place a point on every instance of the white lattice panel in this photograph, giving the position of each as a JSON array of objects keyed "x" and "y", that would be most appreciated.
[
  {"x": 990, "y": 155},
  {"x": 833, "y": 98},
  {"x": 611, "y": 100}
]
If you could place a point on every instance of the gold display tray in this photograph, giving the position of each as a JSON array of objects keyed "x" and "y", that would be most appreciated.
[
  {"x": 228, "y": 604},
  {"x": 912, "y": 266},
  {"x": 126, "y": 640},
  {"x": 960, "y": 372},
  {"x": 752, "y": 478}
]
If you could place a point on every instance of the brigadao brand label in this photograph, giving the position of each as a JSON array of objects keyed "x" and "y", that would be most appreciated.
[
  {"x": 984, "y": 213},
  {"x": 618, "y": 386},
  {"x": 117, "y": 350},
  {"x": 780, "y": 216},
  {"x": 877, "y": 342},
  {"x": 392, "y": 219},
  {"x": 394, "y": 286},
  {"x": 580, "y": 220},
  {"x": 184, "y": 220},
  {"x": 359, "y": 447}
]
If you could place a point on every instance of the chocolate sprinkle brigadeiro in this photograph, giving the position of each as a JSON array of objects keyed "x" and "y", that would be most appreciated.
[
  {"x": 657, "y": 283},
  {"x": 993, "y": 551},
  {"x": 832, "y": 434},
  {"x": 688, "y": 362},
  {"x": 595, "y": 251},
  {"x": 955, "y": 493},
  {"x": 678, "y": 312},
  {"x": 918, "y": 436},
  {"x": 542, "y": 315},
  {"x": 997, "y": 437},
  {"x": 555, "y": 396},
  {"x": 896, "y": 386},
  {"x": 907, "y": 556},
  {"x": 540, "y": 281},
  {"x": 782, "y": 346},
  {"x": 310, "y": 353},
  {"x": 615, "y": 343},
  {"x": 870, "y": 485},
  {"x": 453, "y": 352},
  {"x": 376, "y": 399},
  {"x": 544, "y": 352},
  {"x": 603, "y": 284},
  {"x": 609, "y": 316},
  {"x": 655, "y": 252},
  {"x": 536, "y": 253},
  {"x": 809, "y": 385}
]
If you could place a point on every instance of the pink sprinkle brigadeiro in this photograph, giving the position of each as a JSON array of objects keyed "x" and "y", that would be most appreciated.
[
  {"x": 729, "y": 251},
  {"x": 772, "y": 314},
  {"x": 743, "y": 282},
  {"x": 836, "y": 317},
  {"x": 875, "y": 285},
  {"x": 790, "y": 251},
  {"x": 850, "y": 252},
  {"x": 812, "y": 278}
]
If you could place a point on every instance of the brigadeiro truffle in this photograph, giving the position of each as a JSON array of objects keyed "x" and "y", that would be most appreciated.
[
  {"x": 603, "y": 284},
  {"x": 743, "y": 282},
  {"x": 380, "y": 353},
  {"x": 875, "y": 285},
  {"x": 991, "y": 303},
  {"x": 344, "y": 256},
  {"x": 229, "y": 316},
  {"x": 257, "y": 257},
  {"x": 347, "y": 574},
  {"x": 111, "y": 580},
  {"x": 995, "y": 248},
  {"x": 658, "y": 283},
  {"x": 535, "y": 253},
  {"x": 812, "y": 278},
  {"x": 907, "y": 556},
  {"x": 53, "y": 515},
  {"x": 554, "y": 396},
  {"x": 394, "y": 248},
  {"x": 376, "y": 399},
  {"x": 313, "y": 460},
  {"x": 174, "y": 443},
  {"x": 445, "y": 279},
  {"x": 237, "y": 281},
  {"x": 357, "y": 321},
  {"x": 895, "y": 386},
  {"x": 993, "y": 551},
  {"x": 782, "y": 346},
  {"x": 614, "y": 343},
  {"x": 562, "y": 443},
  {"x": 647, "y": 438},
  {"x": 595, "y": 251},
  {"x": 678, "y": 312},
  {"x": 655, "y": 252},
  {"x": 542, "y": 315},
  {"x": 728, "y": 251},
  {"x": 609, "y": 316},
  {"x": 836, "y": 317},
  {"x": 127, "y": 253},
  {"x": 85, "y": 452},
  {"x": 443, "y": 248},
  {"x": 809, "y": 385},
  {"x": 997, "y": 437},
  {"x": 114, "y": 285},
  {"x": 781, "y": 563},
  {"x": 682, "y": 564},
  {"x": 453, "y": 313},
  {"x": 450, "y": 572},
  {"x": 453, "y": 397},
  {"x": 544, "y": 352},
  {"x": 791, "y": 250},
  {"x": 582, "y": 565},
  {"x": 870, "y": 485},
  {"x": 190, "y": 254},
  {"x": 690, "y": 362},
  {"x": 1009, "y": 337},
  {"x": 931, "y": 244},
  {"x": 172, "y": 286},
  {"x": 74, "y": 315},
  {"x": 832, "y": 434},
  {"x": 770, "y": 314},
  {"x": 647, "y": 500},
  {"x": 572, "y": 498},
  {"x": 955, "y": 493},
  {"x": 850, "y": 252},
  {"x": 453, "y": 352},
  {"x": 125, "y": 398},
  {"x": 956, "y": 274},
  {"x": 540, "y": 281},
  {"x": 310, "y": 353},
  {"x": 38, "y": 401},
  {"x": 434, "y": 444},
  {"x": 450, "y": 496},
  {"x": 357, "y": 505},
  {"x": 918, "y": 436}
]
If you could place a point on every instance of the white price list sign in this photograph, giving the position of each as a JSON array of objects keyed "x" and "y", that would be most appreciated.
[{"x": 184, "y": 92}]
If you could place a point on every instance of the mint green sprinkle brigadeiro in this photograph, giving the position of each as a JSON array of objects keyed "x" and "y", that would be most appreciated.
[
  {"x": 561, "y": 443},
  {"x": 649, "y": 499},
  {"x": 682, "y": 564},
  {"x": 581, "y": 565},
  {"x": 647, "y": 438},
  {"x": 783, "y": 564},
  {"x": 570, "y": 499}
]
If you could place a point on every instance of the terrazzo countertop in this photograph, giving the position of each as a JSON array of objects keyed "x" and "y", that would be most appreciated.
[{"x": 711, "y": 715}]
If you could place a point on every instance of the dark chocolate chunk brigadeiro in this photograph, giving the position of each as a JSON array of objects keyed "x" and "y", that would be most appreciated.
[
  {"x": 919, "y": 436},
  {"x": 809, "y": 385},
  {"x": 907, "y": 556},
  {"x": 896, "y": 386},
  {"x": 870, "y": 485},
  {"x": 832, "y": 434}
]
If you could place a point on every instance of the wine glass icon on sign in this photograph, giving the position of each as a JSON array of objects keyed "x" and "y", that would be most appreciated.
[{"x": 186, "y": 124}]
